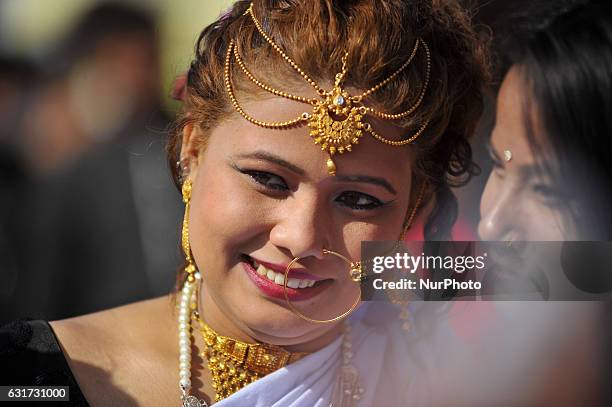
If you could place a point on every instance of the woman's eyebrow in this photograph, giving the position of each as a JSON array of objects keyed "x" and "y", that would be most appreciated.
[
  {"x": 266, "y": 156},
  {"x": 367, "y": 179}
]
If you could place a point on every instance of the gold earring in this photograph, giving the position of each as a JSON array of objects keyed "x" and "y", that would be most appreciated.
[
  {"x": 190, "y": 268},
  {"x": 396, "y": 297}
]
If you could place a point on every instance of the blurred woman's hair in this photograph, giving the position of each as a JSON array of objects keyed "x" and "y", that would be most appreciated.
[
  {"x": 378, "y": 36},
  {"x": 565, "y": 64}
]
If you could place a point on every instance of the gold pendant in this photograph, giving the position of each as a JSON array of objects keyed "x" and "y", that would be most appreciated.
[{"x": 336, "y": 124}]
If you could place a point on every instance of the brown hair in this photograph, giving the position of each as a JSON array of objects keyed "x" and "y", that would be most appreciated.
[{"x": 379, "y": 36}]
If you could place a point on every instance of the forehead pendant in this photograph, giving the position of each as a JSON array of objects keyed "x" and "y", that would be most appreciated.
[{"x": 336, "y": 121}]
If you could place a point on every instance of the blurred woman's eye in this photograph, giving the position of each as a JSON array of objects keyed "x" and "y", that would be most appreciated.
[
  {"x": 494, "y": 160},
  {"x": 358, "y": 201},
  {"x": 549, "y": 195},
  {"x": 267, "y": 180},
  {"x": 498, "y": 167}
]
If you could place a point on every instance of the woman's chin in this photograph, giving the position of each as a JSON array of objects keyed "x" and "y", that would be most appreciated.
[{"x": 273, "y": 322}]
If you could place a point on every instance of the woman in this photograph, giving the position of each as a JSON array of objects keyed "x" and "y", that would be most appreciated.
[
  {"x": 308, "y": 127},
  {"x": 551, "y": 181},
  {"x": 551, "y": 144}
]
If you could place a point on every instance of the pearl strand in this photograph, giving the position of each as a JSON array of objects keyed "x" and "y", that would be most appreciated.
[{"x": 186, "y": 305}]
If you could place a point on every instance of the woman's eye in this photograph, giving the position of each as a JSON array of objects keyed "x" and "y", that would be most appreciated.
[
  {"x": 358, "y": 200},
  {"x": 268, "y": 180},
  {"x": 550, "y": 196},
  {"x": 497, "y": 167}
]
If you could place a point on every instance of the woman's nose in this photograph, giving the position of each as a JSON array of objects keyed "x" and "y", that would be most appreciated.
[
  {"x": 301, "y": 228},
  {"x": 498, "y": 211}
]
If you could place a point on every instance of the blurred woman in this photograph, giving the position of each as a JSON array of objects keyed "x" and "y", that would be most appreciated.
[
  {"x": 552, "y": 181},
  {"x": 552, "y": 142}
]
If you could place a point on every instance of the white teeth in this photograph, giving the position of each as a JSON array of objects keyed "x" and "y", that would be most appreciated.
[
  {"x": 261, "y": 270},
  {"x": 279, "y": 278}
]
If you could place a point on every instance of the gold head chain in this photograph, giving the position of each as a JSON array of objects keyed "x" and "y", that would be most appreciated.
[{"x": 337, "y": 118}]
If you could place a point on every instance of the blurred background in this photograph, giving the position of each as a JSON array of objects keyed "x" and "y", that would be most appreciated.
[{"x": 89, "y": 217}]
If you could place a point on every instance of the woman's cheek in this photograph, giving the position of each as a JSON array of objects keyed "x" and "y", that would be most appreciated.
[
  {"x": 356, "y": 232},
  {"x": 542, "y": 222},
  {"x": 230, "y": 207}
]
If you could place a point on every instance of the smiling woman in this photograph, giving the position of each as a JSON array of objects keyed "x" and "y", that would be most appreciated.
[
  {"x": 307, "y": 128},
  {"x": 286, "y": 159}
]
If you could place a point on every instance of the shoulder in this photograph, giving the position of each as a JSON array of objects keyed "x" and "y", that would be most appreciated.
[
  {"x": 103, "y": 337},
  {"x": 113, "y": 353}
]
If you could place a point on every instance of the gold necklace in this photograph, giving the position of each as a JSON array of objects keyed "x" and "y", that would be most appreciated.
[{"x": 233, "y": 364}]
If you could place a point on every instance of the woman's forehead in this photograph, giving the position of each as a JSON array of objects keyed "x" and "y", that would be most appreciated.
[
  {"x": 517, "y": 117},
  {"x": 237, "y": 136}
]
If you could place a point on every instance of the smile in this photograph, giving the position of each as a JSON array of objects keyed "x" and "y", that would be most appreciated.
[
  {"x": 279, "y": 278},
  {"x": 300, "y": 285}
]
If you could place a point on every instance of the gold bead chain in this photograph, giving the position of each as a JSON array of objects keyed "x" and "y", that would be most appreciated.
[
  {"x": 269, "y": 125},
  {"x": 356, "y": 99},
  {"x": 419, "y": 100},
  {"x": 268, "y": 88},
  {"x": 286, "y": 57},
  {"x": 401, "y": 142},
  {"x": 393, "y": 75}
]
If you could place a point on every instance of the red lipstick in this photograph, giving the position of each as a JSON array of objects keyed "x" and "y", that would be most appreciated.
[{"x": 273, "y": 290}]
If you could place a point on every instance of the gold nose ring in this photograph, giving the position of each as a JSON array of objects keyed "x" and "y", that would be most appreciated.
[{"x": 355, "y": 274}]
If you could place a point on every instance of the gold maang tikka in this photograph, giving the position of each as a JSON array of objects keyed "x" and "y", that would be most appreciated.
[{"x": 337, "y": 118}]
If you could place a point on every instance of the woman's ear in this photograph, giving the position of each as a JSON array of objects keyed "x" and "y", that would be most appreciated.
[{"x": 190, "y": 150}]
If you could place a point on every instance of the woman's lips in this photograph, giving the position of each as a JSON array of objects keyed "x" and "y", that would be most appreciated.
[
  {"x": 273, "y": 290},
  {"x": 295, "y": 272}
]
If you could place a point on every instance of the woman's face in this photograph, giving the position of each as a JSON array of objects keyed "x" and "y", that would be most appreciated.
[
  {"x": 520, "y": 202},
  {"x": 264, "y": 196}
]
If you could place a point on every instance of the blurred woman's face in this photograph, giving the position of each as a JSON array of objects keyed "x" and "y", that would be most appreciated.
[
  {"x": 520, "y": 202},
  {"x": 262, "y": 197}
]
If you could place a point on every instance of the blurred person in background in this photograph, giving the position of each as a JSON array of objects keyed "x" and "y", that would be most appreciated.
[
  {"x": 552, "y": 181},
  {"x": 16, "y": 78},
  {"x": 552, "y": 143},
  {"x": 101, "y": 224}
]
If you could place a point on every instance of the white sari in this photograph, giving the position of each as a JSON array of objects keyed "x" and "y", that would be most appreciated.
[{"x": 432, "y": 363}]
